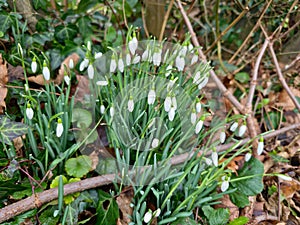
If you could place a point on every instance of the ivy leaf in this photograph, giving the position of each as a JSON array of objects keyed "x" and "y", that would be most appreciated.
[
  {"x": 78, "y": 167},
  {"x": 239, "y": 199},
  {"x": 251, "y": 186},
  {"x": 186, "y": 221},
  {"x": 242, "y": 77},
  {"x": 216, "y": 216},
  {"x": 63, "y": 33},
  {"x": 82, "y": 117},
  {"x": 5, "y": 21},
  {"x": 84, "y": 26},
  {"x": 10, "y": 130},
  {"x": 107, "y": 209}
]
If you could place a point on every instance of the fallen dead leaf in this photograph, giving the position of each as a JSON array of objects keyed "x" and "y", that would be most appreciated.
[
  {"x": 123, "y": 201},
  {"x": 64, "y": 65},
  {"x": 285, "y": 101},
  {"x": 233, "y": 209},
  {"x": 39, "y": 79},
  {"x": 18, "y": 144},
  {"x": 289, "y": 188},
  {"x": 3, "y": 82},
  {"x": 82, "y": 88}
]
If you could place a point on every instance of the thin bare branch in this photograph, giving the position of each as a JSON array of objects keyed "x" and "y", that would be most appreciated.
[
  {"x": 194, "y": 39},
  {"x": 163, "y": 27}
]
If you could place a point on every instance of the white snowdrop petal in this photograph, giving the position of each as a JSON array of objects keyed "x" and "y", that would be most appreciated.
[
  {"x": 197, "y": 78},
  {"x": 46, "y": 73},
  {"x": 156, "y": 58},
  {"x": 155, "y": 143},
  {"x": 171, "y": 113},
  {"x": 179, "y": 63},
  {"x": 136, "y": 59},
  {"x": 224, "y": 186},
  {"x": 193, "y": 118},
  {"x": 112, "y": 112},
  {"x": 174, "y": 102},
  {"x": 121, "y": 65},
  {"x": 198, "y": 107},
  {"x": 147, "y": 217},
  {"x": 71, "y": 63},
  {"x": 102, "y": 83},
  {"x": 113, "y": 65},
  {"x": 167, "y": 103},
  {"x": 208, "y": 161},
  {"x": 130, "y": 105},
  {"x": 215, "y": 158},
  {"x": 83, "y": 64},
  {"x": 90, "y": 71},
  {"x": 145, "y": 55},
  {"x": 59, "y": 129},
  {"x": 222, "y": 137},
  {"x": 128, "y": 59},
  {"x": 102, "y": 109},
  {"x": 98, "y": 55},
  {"x": 67, "y": 80},
  {"x": 233, "y": 126},
  {"x": 133, "y": 44},
  {"x": 248, "y": 156},
  {"x": 260, "y": 147},
  {"x": 168, "y": 70},
  {"x": 203, "y": 83},
  {"x": 29, "y": 113},
  {"x": 157, "y": 212},
  {"x": 194, "y": 59},
  {"x": 33, "y": 66},
  {"x": 151, "y": 97},
  {"x": 199, "y": 126},
  {"x": 242, "y": 130},
  {"x": 284, "y": 177}
]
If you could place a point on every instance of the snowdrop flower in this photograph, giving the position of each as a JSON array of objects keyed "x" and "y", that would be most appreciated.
[
  {"x": 174, "y": 102},
  {"x": 98, "y": 55},
  {"x": 155, "y": 143},
  {"x": 215, "y": 158},
  {"x": 194, "y": 59},
  {"x": 102, "y": 83},
  {"x": 121, "y": 65},
  {"x": 208, "y": 161},
  {"x": 46, "y": 71},
  {"x": 248, "y": 156},
  {"x": 130, "y": 104},
  {"x": 225, "y": 183},
  {"x": 83, "y": 64},
  {"x": 112, "y": 111},
  {"x": 242, "y": 130},
  {"x": 168, "y": 103},
  {"x": 183, "y": 51},
  {"x": 260, "y": 146},
  {"x": 136, "y": 59},
  {"x": 67, "y": 79},
  {"x": 157, "y": 212},
  {"x": 90, "y": 71},
  {"x": 171, "y": 113},
  {"x": 156, "y": 57},
  {"x": 203, "y": 83},
  {"x": 168, "y": 70},
  {"x": 133, "y": 44},
  {"x": 198, "y": 107},
  {"x": 29, "y": 111},
  {"x": 71, "y": 63},
  {"x": 179, "y": 63},
  {"x": 222, "y": 137},
  {"x": 59, "y": 128},
  {"x": 147, "y": 217},
  {"x": 128, "y": 59},
  {"x": 34, "y": 65},
  {"x": 151, "y": 97},
  {"x": 171, "y": 84},
  {"x": 145, "y": 55},
  {"x": 233, "y": 126},
  {"x": 113, "y": 64},
  {"x": 193, "y": 117},
  {"x": 199, "y": 125},
  {"x": 197, "y": 77},
  {"x": 102, "y": 109}
]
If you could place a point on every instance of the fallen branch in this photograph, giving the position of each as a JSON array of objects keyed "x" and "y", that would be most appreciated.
[{"x": 39, "y": 199}]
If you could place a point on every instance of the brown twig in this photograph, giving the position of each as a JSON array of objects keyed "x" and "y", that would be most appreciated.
[
  {"x": 89, "y": 183},
  {"x": 163, "y": 27},
  {"x": 194, "y": 39},
  {"x": 251, "y": 32},
  {"x": 281, "y": 78}
]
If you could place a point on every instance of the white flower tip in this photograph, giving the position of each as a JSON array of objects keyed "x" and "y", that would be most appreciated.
[
  {"x": 130, "y": 105},
  {"x": 171, "y": 113},
  {"x": 59, "y": 129},
  {"x": 91, "y": 71},
  {"x": 248, "y": 156},
  {"x": 222, "y": 137},
  {"x": 155, "y": 143},
  {"x": 224, "y": 186},
  {"x": 71, "y": 63},
  {"x": 284, "y": 177},
  {"x": 29, "y": 113},
  {"x": 215, "y": 158},
  {"x": 233, "y": 126},
  {"x": 199, "y": 126},
  {"x": 157, "y": 212},
  {"x": 260, "y": 148},
  {"x": 242, "y": 130},
  {"x": 147, "y": 217}
]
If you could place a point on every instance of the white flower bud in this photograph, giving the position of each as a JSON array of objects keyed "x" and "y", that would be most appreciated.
[
  {"x": 71, "y": 63},
  {"x": 203, "y": 83},
  {"x": 102, "y": 109},
  {"x": 155, "y": 143},
  {"x": 67, "y": 79},
  {"x": 90, "y": 71},
  {"x": 224, "y": 185},
  {"x": 242, "y": 130},
  {"x": 168, "y": 103},
  {"x": 194, "y": 59},
  {"x": 98, "y": 55},
  {"x": 102, "y": 83},
  {"x": 157, "y": 212},
  {"x": 130, "y": 105},
  {"x": 147, "y": 217},
  {"x": 112, "y": 111},
  {"x": 113, "y": 64},
  {"x": 179, "y": 63},
  {"x": 260, "y": 147},
  {"x": 133, "y": 44},
  {"x": 193, "y": 118},
  {"x": 34, "y": 65},
  {"x": 128, "y": 59},
  {"x": 222, "y": 137},
  {"x": 168, "y": 70},
  {"x": 59, "y": 128},
  {"x": 121, "y": 65},
  {"x": 136, "y": 59},
  {"x": 208, "y": 161},
  {"x": 83, "y": 64},
  {"x": 157, "y": 58},
  {"x": 215, "y": 158},
  {"x": 29, "y": 112},
  {"x": 46, "y": 71},
  {"x": 248, "y": 156},
  {"x": 171, "y": 113},
  {"x": 233, "y": 126},
  {"x": 198, "y": 107},
  {"x": 199, "y": 126},
  {"x": 151, "y": 97}
]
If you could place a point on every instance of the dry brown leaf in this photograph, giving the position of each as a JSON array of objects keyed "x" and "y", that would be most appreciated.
[
  {"x": 39, "y": 79},
  {"x": 18, "y": 144},
  {"x": 3, "y": 82},
  {"x": 289, "y": 188},
  {"x": 82, "y": 88},
  {"x": 64, "y": 65},
  {"x": 123, "y": 201},
  {"x": 285, "y": 101},
  {"x": 233, "y": 209}
]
